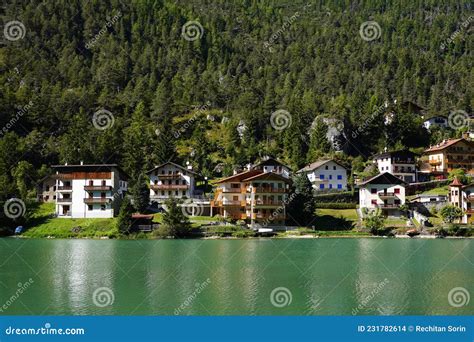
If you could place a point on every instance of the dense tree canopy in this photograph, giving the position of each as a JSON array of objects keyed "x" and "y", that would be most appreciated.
[{"x": 160, "y": 95}]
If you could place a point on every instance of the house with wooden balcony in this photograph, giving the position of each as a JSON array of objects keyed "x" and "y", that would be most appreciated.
[
  {"x": 269, "y": 164},
  {"x": 401, "y": 164},
  {"x": 448, "y": 155},
  {"x": 326, "y": 174},
  {"x": 385, "y": 192},
  {"x": 462, "y": 196},
  {"x": 172, "y": 180},
  {"x": 89, "y": 191},
  {"x": 46, "y": 189},
  {"x": 255, "y": 196}
]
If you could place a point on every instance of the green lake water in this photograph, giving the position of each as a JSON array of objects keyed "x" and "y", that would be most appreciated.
[{"x": 237, "y": 277}]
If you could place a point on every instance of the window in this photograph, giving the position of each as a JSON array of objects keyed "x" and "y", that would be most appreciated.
[
  {"x": 47, "y": 187},
  {"x": 176, "y": 193},
  {"x": 102, "y": 207},
  {"x": 102, "y": 195},
  {"x": 330, "y": 176},
  {"x": 397, "y": 201},
  {"x": 373, "y": 191},
  {"x": 334, "y": 167},
  {"x": 162, "y": 193},
  {"x": 330, "y": 186},
  {"x": 90, "y": 207},
  {"x": 321, "y": 186},
  {"x": 397, "y": 191},
  {"x": 327, "y": 167},
  {"x": 184, "y": 193},
  {"x": 54, "y": 197},
  {"x": 339, "y": 177},
  {"x": 321, "y": 176},
  {"x": 184, "y": 182},
  {"x": 91, "y": 183},
  {"x": 374, "y": 202},
  {"x": 104, "y": 183},
  {"x": 339, "y": 186}
]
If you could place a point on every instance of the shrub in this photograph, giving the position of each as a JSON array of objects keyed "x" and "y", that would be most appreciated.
[
  {"x": 336, "y": 205},
  {"x": 243, "y": 233}
]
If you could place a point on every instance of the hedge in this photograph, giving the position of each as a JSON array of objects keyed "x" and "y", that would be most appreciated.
[
  {"x": 336, "y": 197},
  {"x": 336, "y": 205}
]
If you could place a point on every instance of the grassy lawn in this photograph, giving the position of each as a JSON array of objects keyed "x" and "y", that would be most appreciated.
[
  {"x": 335, "y": 219},
  {"x": 43, "y": 225},
  {"x": 395, "y": 222}
]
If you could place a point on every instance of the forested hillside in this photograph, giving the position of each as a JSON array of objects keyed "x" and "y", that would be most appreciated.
[{"x": 160, "y": 94}]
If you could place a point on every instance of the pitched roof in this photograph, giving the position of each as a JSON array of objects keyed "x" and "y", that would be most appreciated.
[
  {"x": 93, "y": 167},
  {"x": 317, "y": 164},
  {"x": 446, "y": 143},
  {"x": 239, "y": 176},
  {"x": 456, "y": 182},
  {"x": 174, "y": 164},
  {"x": 384, "y": 178},
  {"x": 267, "y": 176},
  {"x": 402, "y": 153},
  {"x": 270, "y": 161}
]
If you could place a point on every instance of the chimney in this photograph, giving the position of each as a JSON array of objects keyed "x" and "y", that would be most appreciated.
[
  {"x": 82, "y": 163},
  {"x": 65, "y": 163}
]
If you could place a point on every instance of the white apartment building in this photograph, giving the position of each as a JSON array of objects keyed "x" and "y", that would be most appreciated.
[
  {"x": 436, "y": 121},
  {"x": 89, "y": 191},
  {"x": 401, "y": 164},
  {"x": 385, "y": 192},
  {"x": 172, "y": 180},
  {"x": 462, "y": 196},
  {"x": 326, "y": 175}
]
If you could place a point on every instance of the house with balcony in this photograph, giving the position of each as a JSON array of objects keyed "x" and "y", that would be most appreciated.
[
  {"x": 46, "y": 189},
  {"x": 89, "y": 191},
  {"x": 448, "y": 155},
  {"x": 401, "y": 164},
  {"x": 255, "y": 196},
  {"x": 326, "y": 174},
  {"x": 385, "y": 192},
  {"x": 172, "y": 180},
  {"x": 462, "y": 196}
]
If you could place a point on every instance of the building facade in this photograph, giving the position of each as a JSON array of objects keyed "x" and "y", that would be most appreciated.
[
  {"x": 255, "y": 196},
  {"x": 89, "y": 191},
  {"x": 46, "y": 190},
  {"x": 401, "y": 164},
  {"x": 172, "y": 180},
  {"x": 326, "y": 175},
  {"x": 451, "y": 154},
  {"x": 436, "y": 121},
  {"x": 462, "y": 196},
  {"x": 385, "y": 192}
]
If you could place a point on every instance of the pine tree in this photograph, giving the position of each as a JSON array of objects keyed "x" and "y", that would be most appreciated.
[
  {"x": 175, "y": 219},
  {"x": 124, "y": 218},
  {"x": 141, "y": 193},
  {"x": 301, "y": 209}
]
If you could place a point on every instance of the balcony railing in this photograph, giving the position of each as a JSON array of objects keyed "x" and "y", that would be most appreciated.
[
  {"x": 64, "y": 200},
  {"x": 98, "y": 188},
  {"x": 434, "y": 162},
  {"x": 388, "y": 206},
  {"x": 64, "y": 188},
  {"x": 268, "y": 190},
  {"x": 169, "y": 187},
  {"x": 175, "y": 175},
  {"x": 268, "y": 216},
  {"x": 266, "y": 203},
  {"x": 233, "y": 190},
  {"x": 387, "y": 194},
  {"x": 97, "y": 200},
  {"x": 233, "y": 203}
]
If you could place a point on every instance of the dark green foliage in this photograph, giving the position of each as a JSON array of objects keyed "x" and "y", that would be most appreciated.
[
  {"x": 148, "y": 76},
  {"x": 141, "y": 193},
  {"x": 175, "y": 222},
  {"x": 124, "y": 218},
  {"x": 301, "y": 206}
]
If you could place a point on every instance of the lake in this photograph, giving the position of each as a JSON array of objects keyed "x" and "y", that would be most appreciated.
[{"x": 363, "y": 276}]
